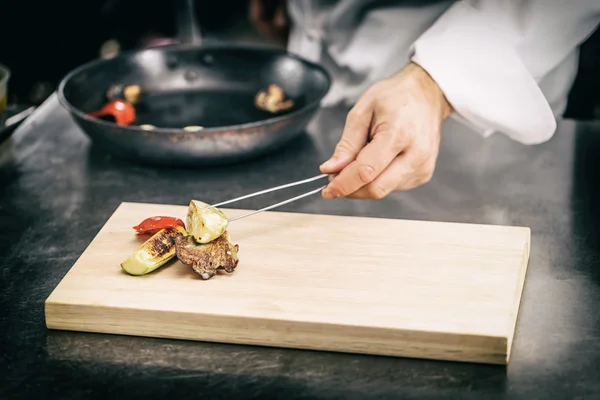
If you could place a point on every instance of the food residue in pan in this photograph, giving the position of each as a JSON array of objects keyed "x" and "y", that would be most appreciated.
[
  {"x": 122, "y": 99},
  {"x": 128, "y": 93},
  {"x": 119, "y": 111},
  {"x": 272, "y": 100},
  {"x": 193, "y": 128}
]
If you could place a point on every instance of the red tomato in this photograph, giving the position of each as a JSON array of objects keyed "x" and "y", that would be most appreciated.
[
  {"x": 122, "y": 111},
  {"x": 154, "y": 224}
]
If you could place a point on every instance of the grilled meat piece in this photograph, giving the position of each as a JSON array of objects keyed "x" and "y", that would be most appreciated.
[{"x": 206, "y": 258}]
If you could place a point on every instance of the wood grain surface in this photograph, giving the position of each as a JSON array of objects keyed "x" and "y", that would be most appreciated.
[{"x": 364, "y": 285}]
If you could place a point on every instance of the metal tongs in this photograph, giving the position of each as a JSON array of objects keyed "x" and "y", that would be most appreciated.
[{"x": 287, "y": 185}]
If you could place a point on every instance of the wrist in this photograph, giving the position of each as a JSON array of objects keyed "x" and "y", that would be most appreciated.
[{"x": 427, "y": 85}]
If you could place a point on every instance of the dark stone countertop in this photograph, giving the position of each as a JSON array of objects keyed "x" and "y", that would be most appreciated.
[{"x": 57, "y": 191}]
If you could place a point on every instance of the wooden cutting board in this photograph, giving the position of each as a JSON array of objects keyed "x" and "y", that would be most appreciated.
[{"x": 363, "y": 285}]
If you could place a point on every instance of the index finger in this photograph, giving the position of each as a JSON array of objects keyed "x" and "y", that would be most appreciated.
[
  {"x": 371, "y": 161},
  {"x": 354, "y": 137}
]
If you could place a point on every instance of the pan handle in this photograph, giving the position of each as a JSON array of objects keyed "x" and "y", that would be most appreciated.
[{"x": 188, "y": 29}]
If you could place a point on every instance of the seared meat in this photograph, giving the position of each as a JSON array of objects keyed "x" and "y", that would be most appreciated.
[
  {"x": 272, "y": 99},
  {"x": 206, "y": 258}
]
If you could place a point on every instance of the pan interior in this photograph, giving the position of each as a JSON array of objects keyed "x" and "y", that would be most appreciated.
[
  {"x": 209, "y": 87},
  {"x": 202, "y": 107}
]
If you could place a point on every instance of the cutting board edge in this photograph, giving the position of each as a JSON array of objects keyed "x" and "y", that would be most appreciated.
[
  {"x": 491, "y": 349},
  {"x": 526, "y": 229},
  {"x": 521, "y": 281}
]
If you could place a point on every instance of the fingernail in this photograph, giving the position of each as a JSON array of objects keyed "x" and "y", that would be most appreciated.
[
  {"x": 326, "y": 164},
  {"x": 334, "y": 158},
  {"x": 328, "y": 194}
]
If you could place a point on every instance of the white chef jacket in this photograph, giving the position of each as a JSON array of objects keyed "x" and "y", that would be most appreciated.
[{"x": 504, "y": 65}]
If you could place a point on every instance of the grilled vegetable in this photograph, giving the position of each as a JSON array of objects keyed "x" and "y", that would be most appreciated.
[
  {"x": 204, "y": 222},
  {"x": 154, "y": 224},
  {"x": 272, "y": 99},
  {"x": 154, "y": 253},
  {"x": 122, "y": 112},
  {"x": 129, "y": 93}
]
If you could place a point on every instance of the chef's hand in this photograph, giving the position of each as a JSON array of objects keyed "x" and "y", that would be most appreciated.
[
  {"x": 391, "y": 138},
  {"x": 270, "y": 19}
]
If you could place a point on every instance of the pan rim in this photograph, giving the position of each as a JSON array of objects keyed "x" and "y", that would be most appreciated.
[{"x": 205, "y": 131}]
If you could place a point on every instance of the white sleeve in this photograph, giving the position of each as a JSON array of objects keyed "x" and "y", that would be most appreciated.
[{"x": 488, "y": 57}]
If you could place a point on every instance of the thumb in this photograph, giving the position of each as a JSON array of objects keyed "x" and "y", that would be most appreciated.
[{"x": 354, "y": 137}]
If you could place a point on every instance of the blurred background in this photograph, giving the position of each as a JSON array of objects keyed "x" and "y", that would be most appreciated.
[{"x": 43, "y": 40}]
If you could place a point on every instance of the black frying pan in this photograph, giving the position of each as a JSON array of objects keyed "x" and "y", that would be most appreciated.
[{"x": 212, "y": 86}]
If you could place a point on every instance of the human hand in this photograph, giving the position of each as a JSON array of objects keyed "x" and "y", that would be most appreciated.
[
  {"x": 269, "y": 17},
  {"x": 391, "y": 138}
]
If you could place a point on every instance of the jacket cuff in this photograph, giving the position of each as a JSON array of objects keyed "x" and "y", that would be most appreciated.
[{"x": 476, "y": 66}]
